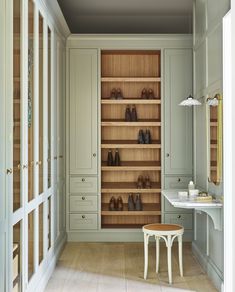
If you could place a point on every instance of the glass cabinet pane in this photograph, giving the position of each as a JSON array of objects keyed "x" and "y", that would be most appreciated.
[
  {"x": 49, "y": 107},
  {"x": 17, "y": 12},
  {"x": 30, "y": 100},
  {"x": 16, "y": 258},
  {"x": 40, "y": 104},
  {"x": 30, "y": 244}
]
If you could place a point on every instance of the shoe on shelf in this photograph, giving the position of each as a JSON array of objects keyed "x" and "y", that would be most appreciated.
[
  {"x": 117, "y": 160},
  {"x": 120, "y": 204},
  {"x": 131, "y": 205},
  {"x": 141, "y": 138},
  {"x": 147, "y": 182},
  {"x": 140, "y": 182},
  {"x": 110, "y": 158},
  {"x": 119, "y": 94},
  {"x": 133, "y": 114},
  {"x": 144, "y": 94},
  {"x": 147, "y": 137},
  {"x": 112, "y": 204},
  {"x": 113, "y": 94},
  {"x": 151, "y": 94},
  {"x": 138, "y": 203},
  {"x": 128, "y": 115}
]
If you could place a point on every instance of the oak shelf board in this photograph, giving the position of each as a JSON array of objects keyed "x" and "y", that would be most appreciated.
[
  {"x": 130, "y": 101},
  {"x": 128, "y": 187},
  {"x": 148, "y": 210},
  {"x": 132, "y": 165},
  {"x": 139, "y": 123},
  {"x": 130, "y": 79},
  {"x": 129, "y": 144}
]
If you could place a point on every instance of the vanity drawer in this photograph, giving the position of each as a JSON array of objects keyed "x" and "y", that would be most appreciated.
[
  {"x": 185, "y": 220},
  {"x": 177, "y": 182},
  {"x": 83, "y": 221},
  {"x": 83, "y": 185},
  {"x": 83, "y": 203},
  {"x": 169, "y": 208}
]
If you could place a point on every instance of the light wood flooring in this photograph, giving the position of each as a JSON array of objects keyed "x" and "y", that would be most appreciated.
[{"x": 118, "y": 267}]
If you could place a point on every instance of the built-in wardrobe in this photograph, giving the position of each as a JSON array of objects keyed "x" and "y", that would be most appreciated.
[
  {"x": 106, "y": 75},
  {"x": 32, "y": 224}
]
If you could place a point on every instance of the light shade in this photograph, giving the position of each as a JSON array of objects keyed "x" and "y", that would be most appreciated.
[{"x": 190, "y": 101}]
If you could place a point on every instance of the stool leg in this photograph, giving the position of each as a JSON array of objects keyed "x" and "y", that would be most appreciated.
[
  {"x": 157, "y": 254},
  {"x": 145, "y": 255},
  {"x": 180, "y": 255},
  {"x": 169, "y": 258}
]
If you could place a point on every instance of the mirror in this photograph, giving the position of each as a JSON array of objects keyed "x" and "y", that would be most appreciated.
[{"x": 215, "y": 138}]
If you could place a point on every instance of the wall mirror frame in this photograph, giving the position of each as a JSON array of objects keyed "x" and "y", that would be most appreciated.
[{"x": 215, "y": 138}]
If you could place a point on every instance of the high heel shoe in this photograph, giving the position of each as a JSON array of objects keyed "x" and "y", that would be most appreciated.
[{"x": 133, "y": 114}]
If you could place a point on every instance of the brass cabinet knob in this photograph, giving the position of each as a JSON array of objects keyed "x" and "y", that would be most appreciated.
[
  {"x": 83, "y": 198},
  {"x": 167, "y": 155},
  {"x": 9, "y": 171},
  {"x": 94, "y": 154},
  {"x": 179, "y": 216},
  {"x": 83, "y": 216},
  {"x": 61, "y": 156},
  {"x": 179, "y": 180},
  {"x": 83, "y": 179}
]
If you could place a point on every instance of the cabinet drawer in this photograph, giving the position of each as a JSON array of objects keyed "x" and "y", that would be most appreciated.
[
  {"x": 185, "y": 220},
  {"x": 177, "y": 182},
  {"x": 83, "y": 221},
  {"x": 83, "y": 184},
  {"x": 83, "y": 203},
  {"x": 169, "y": 208}
]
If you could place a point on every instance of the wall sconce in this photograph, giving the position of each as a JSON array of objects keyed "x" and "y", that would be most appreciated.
[
  {"x": 190, "y": 101},
  {"x": 214, "y": 101}
]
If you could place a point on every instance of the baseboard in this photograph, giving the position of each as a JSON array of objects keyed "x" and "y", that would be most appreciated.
[
  {"x": 208, "y": 266},
  {"x": 42, "y": 276},
  {"x": 112, "y": 235}
]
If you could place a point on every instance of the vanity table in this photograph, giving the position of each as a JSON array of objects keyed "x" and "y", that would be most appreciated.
[{"x": 213, "y": 208}]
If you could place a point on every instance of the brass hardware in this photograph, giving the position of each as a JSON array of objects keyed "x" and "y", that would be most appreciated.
[
  {"x": 32, "y": 163},
  {"x": 61, "y": 156},
  {"x": 9, "y": 170},
  {"x": 83, "y": 216},
  {"x": 83, "y": 179},
  {"x": 25, "y": 166},
  {"x": 179, "y": 216},
  {"x": 167, "y": 155},
  {"x": 179, "y": 179},
  {"x": 83, "y": 198},
  {"x": 18, "y": 166},
  {"x": 94, "y": 154}
]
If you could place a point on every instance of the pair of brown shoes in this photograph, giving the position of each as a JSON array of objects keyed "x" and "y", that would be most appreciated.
[
  {"x": 144, "y": 183},
  {"x": 113, "y": 162},
  {"x": 116, "y": 204},
  {"x": 116, "y": 93},
  {"x": 147, "y": 94},
  {"x": 131, "y": 114}
]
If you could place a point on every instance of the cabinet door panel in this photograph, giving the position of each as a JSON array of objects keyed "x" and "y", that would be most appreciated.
[
  {"x": 178, "y": 119},
  {"x": 83, "y": 111},
  {"x": 186, "y": 220}
]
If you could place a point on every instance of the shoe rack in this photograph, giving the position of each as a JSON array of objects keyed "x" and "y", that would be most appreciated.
[{"x": 131, "y": 72}]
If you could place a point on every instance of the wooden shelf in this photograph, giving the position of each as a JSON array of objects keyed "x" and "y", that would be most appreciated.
[
  {"x": 130, "y": 226},
  {"x": 128, "y": 187},
  {"x": 130, "y": 79},
  {"x": 129, "y": 144},
  {"x": 130, "y": 101},
  {"x": 123, "y": 123},
  {"x": 132, "y": 165},
  {"x": 148, "y": 210}
]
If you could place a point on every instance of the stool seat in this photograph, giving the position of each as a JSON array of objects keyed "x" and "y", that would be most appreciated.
[{"x": 168, "y": 232}]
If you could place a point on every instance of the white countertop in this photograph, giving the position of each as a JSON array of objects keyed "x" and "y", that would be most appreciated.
[{"x": 188, "y": 203}]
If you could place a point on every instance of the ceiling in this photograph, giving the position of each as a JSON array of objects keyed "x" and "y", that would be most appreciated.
[{"x": 128, "y": 16}]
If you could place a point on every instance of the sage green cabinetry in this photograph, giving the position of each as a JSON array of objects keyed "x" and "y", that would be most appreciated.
[
  {"x": 83, "y": 91},
  {"x": 83, "y": 139},
  {"x": 178, "y": 119}
]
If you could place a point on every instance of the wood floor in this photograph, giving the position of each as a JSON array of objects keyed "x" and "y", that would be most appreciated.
[{"x": 118, "y": 267}]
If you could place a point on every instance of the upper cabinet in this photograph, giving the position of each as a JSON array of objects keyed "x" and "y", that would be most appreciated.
[
  {"x": 178, "y": 119},
  {"x": 83, "y": 93}
]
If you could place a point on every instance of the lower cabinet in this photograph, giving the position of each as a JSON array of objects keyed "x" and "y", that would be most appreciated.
[
  {"x": 172, "y": 215},
  {"x": 83, "y": 203}
]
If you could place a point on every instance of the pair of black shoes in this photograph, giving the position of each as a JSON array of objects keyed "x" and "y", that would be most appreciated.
[
  {"x": 135, "y": 204},
  {"x": 131, "y": 114},
  {"x": 144, "y": 137},
  {"x": 116, "y": 204},
  {"x": 113, "y": 162},
  {"x": 116, "y": 94}
]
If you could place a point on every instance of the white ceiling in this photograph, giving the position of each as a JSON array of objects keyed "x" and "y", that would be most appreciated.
[{"x": 128, "y": 16}]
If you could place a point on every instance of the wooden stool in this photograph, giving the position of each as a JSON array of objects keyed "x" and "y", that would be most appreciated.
[{"x": 168, "y": 232}]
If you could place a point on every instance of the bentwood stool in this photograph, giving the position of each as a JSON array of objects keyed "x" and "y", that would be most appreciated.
[{"x": 168, "y": 232}]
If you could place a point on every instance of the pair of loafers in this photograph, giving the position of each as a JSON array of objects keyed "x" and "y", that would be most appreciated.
[
  {"x": 113, "y": 162},
  {"x": 116, "y": 93},
  {"x": 135, "y": 204},
  {"x": 116, "y": 204},
  {"x": 147, "y": 94},
  {"x": 144, "y": 137},
  {"x": 144, "y": 183}
]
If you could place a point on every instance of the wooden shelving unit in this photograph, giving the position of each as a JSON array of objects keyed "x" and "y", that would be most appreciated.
[{"x": 131, "y": 71}]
